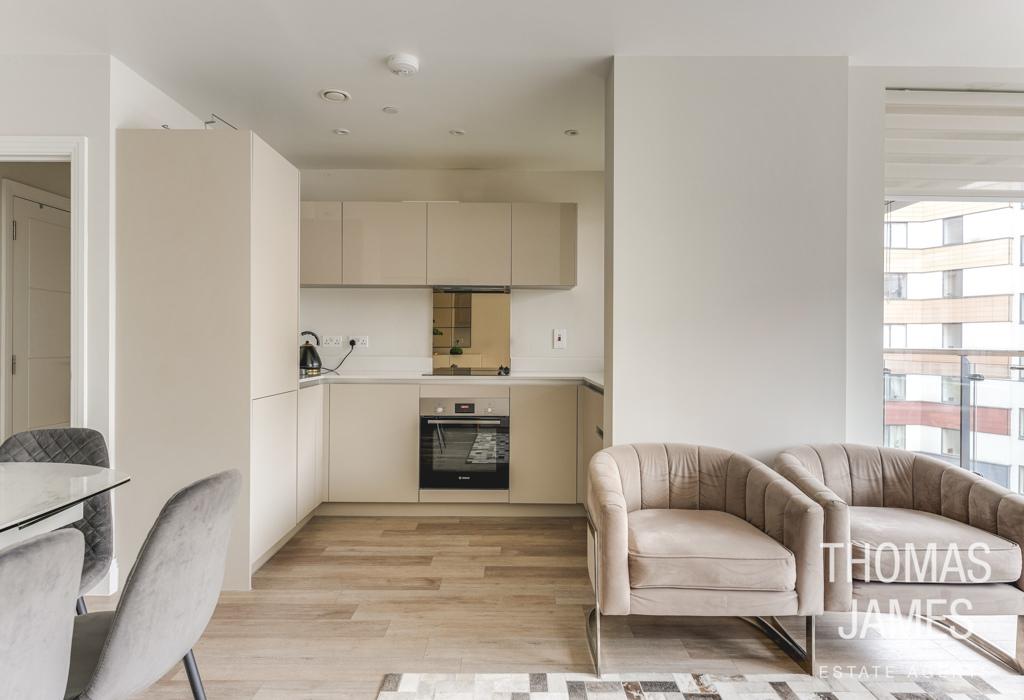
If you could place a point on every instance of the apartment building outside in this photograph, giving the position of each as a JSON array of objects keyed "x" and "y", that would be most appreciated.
[{"x": 954, "y": 334}]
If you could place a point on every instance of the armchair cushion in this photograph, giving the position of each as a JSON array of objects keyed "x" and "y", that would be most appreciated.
[
  {"x": 874, "y": 531},
  {"x": 705, "y": 549}
]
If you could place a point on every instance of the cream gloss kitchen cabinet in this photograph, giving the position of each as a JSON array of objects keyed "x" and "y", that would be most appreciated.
[
  {"x": 542, "y": 443},
  {"x": 374, "y": 444},
  {"x": 207, "y": 269},
  {"x": 543, "y": 244},
  {"x": 385, "y": 244},
  {"x": 469, "y": 243},
  {"x": 320, "y": 233}
]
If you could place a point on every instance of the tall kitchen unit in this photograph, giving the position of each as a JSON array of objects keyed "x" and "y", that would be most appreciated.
[{"x": 207, "y": 263}]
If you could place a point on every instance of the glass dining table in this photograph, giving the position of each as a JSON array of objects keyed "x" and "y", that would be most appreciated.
[{"x": 37, "y": 497}]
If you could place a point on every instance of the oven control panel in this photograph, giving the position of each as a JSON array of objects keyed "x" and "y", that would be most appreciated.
[{"x": 464, "y": 407}]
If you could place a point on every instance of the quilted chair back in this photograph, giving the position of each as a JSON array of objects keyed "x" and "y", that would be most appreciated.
[
  {"x": 694, "y": 477},
  {"x": 73, "y": 446},
  {"x": 862, "y": 475}
]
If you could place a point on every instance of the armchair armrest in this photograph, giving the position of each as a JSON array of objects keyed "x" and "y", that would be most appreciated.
[
  {"x": 795, "y": 521},
  {"x": 946, "y": 489},
  {"x": 606, "y": 507},
  {"x": 1010, "y": 523},
  {"x": 835, "y": 553}
]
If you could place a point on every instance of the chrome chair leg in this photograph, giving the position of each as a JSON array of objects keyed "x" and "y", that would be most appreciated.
[
  {"x": 802, "y": 655},
  {"x": 195, "y": 681},
  {"x": 1014, "y": 662},
  {"x": 593, "y": 619}
]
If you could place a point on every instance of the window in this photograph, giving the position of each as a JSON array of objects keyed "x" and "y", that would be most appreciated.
[
  {"x": 952, "y": 335},
  {"x": 896, "y": 285},
  {"x": 952, "y": 284},
  {"x": 951, "y": 442},
  {"x": 894, "y": 335},
  {"x": 1020, "y": 314},
  {"x": 953, "y": 230},
  {"x": 1020, "y": 425},
  {"x": 896, "y": 436},
  {"x": 896, "y": 235},
  {"x": 951, "y": 390},
  {"x": 895, "y": 387}
]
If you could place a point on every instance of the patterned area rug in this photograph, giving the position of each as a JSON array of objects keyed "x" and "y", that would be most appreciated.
[{"x": 695, "y": 686}]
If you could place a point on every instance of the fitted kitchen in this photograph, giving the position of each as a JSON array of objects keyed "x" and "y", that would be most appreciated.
[
  {"x": 402, "y": 342},
  {"x": 471, "y": 427}
]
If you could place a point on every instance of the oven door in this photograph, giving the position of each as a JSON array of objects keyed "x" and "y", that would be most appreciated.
[{"x": 463, "y": 452}]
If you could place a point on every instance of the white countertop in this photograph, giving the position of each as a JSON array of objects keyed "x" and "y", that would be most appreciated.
[{"x": 593, "y": 379}]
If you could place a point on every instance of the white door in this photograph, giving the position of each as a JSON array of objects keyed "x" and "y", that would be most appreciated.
[{"x": 39, "y": 317}]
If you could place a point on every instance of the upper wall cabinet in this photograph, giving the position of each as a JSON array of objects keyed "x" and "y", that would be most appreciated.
[
  {"x": 321, "y": 244},
  {"x": 543, "y": 245},
  {"x": 469, "y": 244},
  {"x": 385, "y": 243},
  {"x": 417, "y": 244}
]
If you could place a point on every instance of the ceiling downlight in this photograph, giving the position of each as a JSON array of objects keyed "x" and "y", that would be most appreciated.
[{"x": 334, "y": 95}]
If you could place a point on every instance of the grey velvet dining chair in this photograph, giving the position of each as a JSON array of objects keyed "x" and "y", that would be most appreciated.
[
  {"x": 167, "y": 600},
  {"x": 74, "y": 446},
  {"x": 39, "y": 580}
]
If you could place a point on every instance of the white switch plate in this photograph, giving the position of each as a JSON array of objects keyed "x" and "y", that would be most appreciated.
[
  {"x": 362, "y": 341},
  {"x": 333, "y": 340},
  {"x": 558, "y": 338}
]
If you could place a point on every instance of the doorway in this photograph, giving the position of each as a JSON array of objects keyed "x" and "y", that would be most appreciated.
[{"x": 36, "y": 294}]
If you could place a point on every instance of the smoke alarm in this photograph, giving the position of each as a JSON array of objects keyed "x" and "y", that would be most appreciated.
[{"x": 403, "y": 64}]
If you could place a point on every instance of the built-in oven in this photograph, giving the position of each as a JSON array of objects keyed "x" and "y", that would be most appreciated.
[{"x": 464, "y": 444}]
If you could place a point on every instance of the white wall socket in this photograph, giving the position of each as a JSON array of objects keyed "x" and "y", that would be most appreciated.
[
  {"x": 330, "y": 340},
  {"x": 362, "y": 341},
  {"x": 558, "y": 338}
]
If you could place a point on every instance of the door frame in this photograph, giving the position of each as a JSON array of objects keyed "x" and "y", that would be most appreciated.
[{"x": 52, "y": 149}]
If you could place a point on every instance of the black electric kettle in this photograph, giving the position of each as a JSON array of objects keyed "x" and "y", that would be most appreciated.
[{"x": 309, "y": 358}]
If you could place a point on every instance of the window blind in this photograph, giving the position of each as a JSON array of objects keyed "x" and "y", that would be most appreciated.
[{"x": 954, "y": 144}]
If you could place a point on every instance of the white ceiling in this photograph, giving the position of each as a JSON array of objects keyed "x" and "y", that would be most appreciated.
[{"x": 513, "y": 73}]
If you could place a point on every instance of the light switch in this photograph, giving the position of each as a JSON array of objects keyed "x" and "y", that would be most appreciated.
[{"x": 558, "y": 338}]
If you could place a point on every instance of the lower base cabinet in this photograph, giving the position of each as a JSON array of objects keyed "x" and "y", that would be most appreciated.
[
  {"x": 311, "y": 477},
  {"x": 374, "y": 443},
  {"x": 591, "y": 435},
  {"x": 542, "y": 443},
  {"x": 273, "y": 439}
]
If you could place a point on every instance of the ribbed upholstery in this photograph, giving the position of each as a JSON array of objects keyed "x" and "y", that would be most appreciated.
[
  {"x": 74, "y": 446},
  {"x": 629, "y": 478},
  {"x": 840, "y": 475}
]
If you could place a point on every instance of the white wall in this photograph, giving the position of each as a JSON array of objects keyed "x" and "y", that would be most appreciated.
[
  {"x": 533, "y": 312},
  {"x": 49, "y": 177},
  {"x": 32, "y": 106},
  {"x": 103, "y": 95},
  {"x": 729, "y": 243},
  {"x": 396, "y": 320}
]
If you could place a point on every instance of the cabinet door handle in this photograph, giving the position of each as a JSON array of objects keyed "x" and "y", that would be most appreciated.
[{"x": 600, "y": 431}]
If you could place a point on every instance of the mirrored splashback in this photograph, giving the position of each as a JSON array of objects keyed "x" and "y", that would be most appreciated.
[{"x": 470, "y": 331}]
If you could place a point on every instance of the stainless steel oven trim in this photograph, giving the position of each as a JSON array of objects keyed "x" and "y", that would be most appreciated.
[{"x": 456, "y": 421}]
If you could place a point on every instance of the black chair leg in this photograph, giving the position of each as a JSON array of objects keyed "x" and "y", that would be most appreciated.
[
  {"x": 194, "y": 680},
  {"x": 80, "y": 608}
]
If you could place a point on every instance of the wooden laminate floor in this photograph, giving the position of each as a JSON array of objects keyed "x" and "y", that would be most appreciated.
[{"x": 350, "y": 599}]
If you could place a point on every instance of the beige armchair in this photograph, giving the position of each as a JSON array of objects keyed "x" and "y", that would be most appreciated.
[
  {"x": 689, "y": 530},
  {"x": 890, "y": 513}
]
